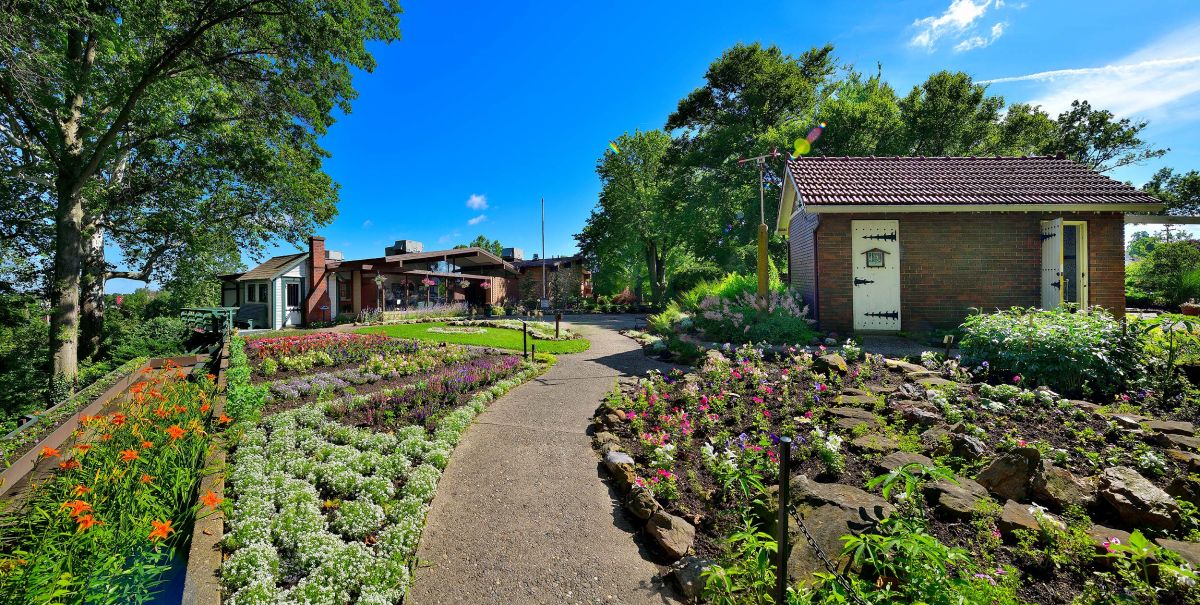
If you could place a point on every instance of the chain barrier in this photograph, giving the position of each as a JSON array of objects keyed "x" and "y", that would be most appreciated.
[{"x": 829, "y": 566}]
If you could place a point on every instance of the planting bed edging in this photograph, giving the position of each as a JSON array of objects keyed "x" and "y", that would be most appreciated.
[{"x": 202, "y": 585}]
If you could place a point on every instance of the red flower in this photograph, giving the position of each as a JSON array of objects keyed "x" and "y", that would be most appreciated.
[
  {"x": 129, "y": 455},
  {"x": 160, "y": 411},
  {"x": 87, "y": 521},
  {"x": 81, "y": 490},
  {"x": 118, "y": 419},
  {"x": 147, "y": 445},
  {"x": 78, "y": 507},
  {"x": 204, "y": 407},
  {"x": 50, "y": 452},
  {"x": 224, "y": 419},
  {"x": 175, "y": 432},
  {"x": 211, "y": 500},
  {"x": 67, "y": 465}
]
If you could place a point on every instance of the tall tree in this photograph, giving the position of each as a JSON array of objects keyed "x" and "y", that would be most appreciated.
[
  {"x": 1096, "y": 139},
  {"x": 481, "y": 241},
  {"x": 86, "y": 85},
  {"x": 1180, "y": 192},
  {"x": 635, "y": 210},
  {"x": 948, "y": 115}
]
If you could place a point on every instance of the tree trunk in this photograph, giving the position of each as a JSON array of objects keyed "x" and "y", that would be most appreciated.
[
  {"x": 64, "y": 291},
  {"x": 653, "y": 265},
  {"x": 91, "y": 300}
]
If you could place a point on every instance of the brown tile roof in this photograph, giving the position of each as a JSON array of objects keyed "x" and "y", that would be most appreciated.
[
  {"x": 273, "y": 265},
  {"x": 823, "y": 181}
]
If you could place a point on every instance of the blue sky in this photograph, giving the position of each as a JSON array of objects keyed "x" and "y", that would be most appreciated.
[{"x": 483, "y": 108}]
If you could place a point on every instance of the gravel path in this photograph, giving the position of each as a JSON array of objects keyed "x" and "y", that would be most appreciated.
[{"x": 521, "y": 514}]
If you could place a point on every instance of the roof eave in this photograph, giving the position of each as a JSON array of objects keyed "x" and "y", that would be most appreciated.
[{"x": 911, "y": 208}]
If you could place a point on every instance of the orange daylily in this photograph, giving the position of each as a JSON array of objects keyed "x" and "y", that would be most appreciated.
[
  {"x": 138, "y": 388},
  {"x": 211, "y": 500},
  {"x": 85, "y": 419},
  {"x": 106, "y": 437},
  {"x": 162, "y": 529},
  {"x": 204, "y": 407},
  {"x": 50, "y": 452},
  {"x": 83, "y": 447},
  {"x": 118, "y": 419},
  {"x": 175, "y": 432},
  {"x": 160, "y": 411},
  {"x": 147, "y": 445},
  {"x": 87, "y": 521},
  {"x": 211, "y": 376},
  {"x": 224, "y": 419},
  {"x": 81, "y": 490},
  {"x": 129, "y": 455},
  {"x": 78, "y": 507},
  {"x": 147, "y": 478},
  {"x": 67, "y": 465},
  {"x": 179, "y": 409}
]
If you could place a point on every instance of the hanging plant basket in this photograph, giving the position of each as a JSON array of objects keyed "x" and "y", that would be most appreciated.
[
  {"x": 464, "y": 284},
  {"x": 487, "y": 285}
]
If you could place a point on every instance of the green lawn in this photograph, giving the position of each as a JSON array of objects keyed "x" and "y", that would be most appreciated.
[{"x": 494, "y": 337}]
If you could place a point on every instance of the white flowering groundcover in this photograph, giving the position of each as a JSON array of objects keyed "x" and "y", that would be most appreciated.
[{"x": 325, "y": 513}]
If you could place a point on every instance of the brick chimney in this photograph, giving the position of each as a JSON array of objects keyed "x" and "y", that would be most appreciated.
[{"x": 317, "y": 307}]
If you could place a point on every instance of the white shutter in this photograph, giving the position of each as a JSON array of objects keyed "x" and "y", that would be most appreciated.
[{"x": 1052, "y": 263}]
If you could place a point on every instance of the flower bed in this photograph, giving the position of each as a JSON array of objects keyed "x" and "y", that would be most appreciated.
[
  {"x": 324, "y": 349},
  {"x": 946, "y": 488},
  {"x": 102, "y": 527},
  {"x": 324, "y": 512}
]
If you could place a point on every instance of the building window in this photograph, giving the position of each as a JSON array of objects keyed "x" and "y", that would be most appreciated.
[
  {"x": 293, "y": 294},
  {"x": 251, "y": 293},
  {"x": 262, "y": 293}
]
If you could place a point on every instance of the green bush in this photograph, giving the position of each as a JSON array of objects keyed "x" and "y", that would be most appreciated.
[
  {"x": 729, "y": 311},
  {"x": 243, "y": 401},
  {"x": 1074, "y": 353},
  {"x": 1170, "y": 274},
  {"x": 155, "y": 337}
]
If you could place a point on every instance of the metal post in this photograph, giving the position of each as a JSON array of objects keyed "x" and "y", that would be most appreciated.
[
  {"x": 533, "y": 350},
  {"x": 524, "y": 339},
  {"x": 785, "y": 481},
  {"x": 557, "y": 319}
]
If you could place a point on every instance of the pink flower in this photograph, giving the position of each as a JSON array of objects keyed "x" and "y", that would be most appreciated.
[
  {"x": 737, "y": 374},
  {"x": 757, "y": 399},
  {"x": 821, "y": 388},
  {"x": 766, "y": 413},
  {"x": 808, "y": 414},
  {"x": 996, "y": 534},
  {"x": 1017, "y": 378},
  {"x": 1021, "y": 442}
]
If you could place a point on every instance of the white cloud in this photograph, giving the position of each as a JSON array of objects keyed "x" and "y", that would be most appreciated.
[
  {"x": 449, "y": 237},
  {"x": 1159, "y": 80},
  {"x": 979, "y": 41},
  {"x": 478, "y": 219},
  {"x": 958, "y": 19},
  {"x": 477, "y": 202},
  {"x": 367, "y": 224}
]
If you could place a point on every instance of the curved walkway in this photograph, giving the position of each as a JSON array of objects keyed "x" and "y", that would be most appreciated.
[{"x": 521, "y": 514}]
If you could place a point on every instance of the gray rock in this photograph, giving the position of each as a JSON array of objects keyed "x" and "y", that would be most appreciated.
[
  {"x": 915, "y": 376},
  {"x": 1008, "y": 477},
  {"x": 609, "y": 447},
  {"x": 910, "y": 391},
  {"x": 1192, "y": 460},
  {"x": 874, "y": 442},
  {"x": 641, "y": 503},
  {"x": 827, "y": 523},
  {"x": 1086, "y": 405},
  {"x": 955, "y": 500},
  {"x": 620, "y": 466},
  {"x": 897, "y": 460},
  {"x": 688, "y": 573},
  {"x": 1129, "y": 421},
  {"x": 604, "y": 437},
  {"x": 853, "y": 391},
  {"x": 1101, "y": 534},
  {"x": 674, "y": 535},
  {"x": 1173, "y": 427},
  {"x": 847, "y": 419},
  {"x": 864, "y": 505},
  {"x": 1138, "y": 501},
  {"x": 937, "y": 441},
  {"x": 934, "y": 382},
  {"x": 1188, "y": 551},
  {"x": 830, "y": 362},
  {"x": 1179, "y": 442},
  {"x": 1059, "y": 488},
  {"x": 1186, "y": 489},
  {"x": 860, "y": 401},
  {"x": 967, "y": 447},
  {"x": 615, "y": 459}
]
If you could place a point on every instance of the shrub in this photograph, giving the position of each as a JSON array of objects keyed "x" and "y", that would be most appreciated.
[
  {"x": 1085, "y": 353},
  {"x": 1171, "y": 273},
  {"x": 155, "y": 337}
]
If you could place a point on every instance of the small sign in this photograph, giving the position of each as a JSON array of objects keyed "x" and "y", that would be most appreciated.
[
  {"x": 545, "y": 303},
  {"x": 875, "y": 257}
]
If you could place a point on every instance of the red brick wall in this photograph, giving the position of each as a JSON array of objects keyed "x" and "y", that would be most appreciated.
[
  {"x": 318, "y": 294},
  {"x": 952, "y": 262},
  {"x": 370, "y": 292},
  {"x": 802, "y": 268}
]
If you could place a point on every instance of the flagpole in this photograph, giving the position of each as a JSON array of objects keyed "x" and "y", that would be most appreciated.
[{"x": 543, "y": 249}]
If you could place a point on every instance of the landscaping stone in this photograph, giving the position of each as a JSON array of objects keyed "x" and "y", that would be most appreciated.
[
  {"x": 875, "y": 442},
  {"x": 860, "y": 401},
  {"x": 848, "y": 418},
  {"x": 612, "y": 419},
  {"x": 827, "y": 524},
  {"x": 921, "y": 413},
  {"x": 613, "y": 460},
  {"x": 955, "y": 500},
  {"x": 1181, "y": 442},
  {"x": 936, "y": 441},
  {"x": 853, "y": 391},
  {"x": 967, "y": 447},
  {"x": 915, "y": 376},
  {"x": 910, "y": 391},
  {"x": 864, "y": 505},
  {"x": 933, "y": 382},
  {"x": 688, "y": 573},
  {"x": 830, "y": 362},
  {"x": 1009, "y": 476},
  {"x": 1016, "y": 516},
  {"x": 604, "y": 437},
  {"x": 609, "y": 447},
  {"x": 899, "y": 365},
  {"x": 1191, "y": 459},
  {"x": 1101, "y": 534},
  {"x": 641, "y": 503},
  {"x": 672, "y": 533},
  {"x": 1172, "y": 427},
  {"x": 1188, "y": 551},
  {"x": 620, "y": 466},
  {"x": 1186, "y": 489},
  {"x": 1059, "y": 488},
  {"x": 1129, "y": 421},
  {"x": 897, "y": 460},
  {"x": 1086, "y": 405},
  {"x": 1138, "y": 501}
]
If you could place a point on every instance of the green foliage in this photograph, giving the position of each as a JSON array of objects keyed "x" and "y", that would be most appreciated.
[
  {"x": 481, "y": 241},
  {"x": 1170, "y": 273},
  {"x": 24, "y": 356},
  {"x": 729, "y": 311},
  {"x": 1075, "y": 353},
  {"x": 1096, "y": 139},
  {"x": 1181, "y": 192},
  {"x": 156, "y": 337},
  {"x": 243, "y": 400},
  {"x": 1168, "y": 340},
  {"x": 749, "y": 576}
]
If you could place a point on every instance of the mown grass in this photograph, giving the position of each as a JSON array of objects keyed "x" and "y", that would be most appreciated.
[{"x": 500, "y": 338}]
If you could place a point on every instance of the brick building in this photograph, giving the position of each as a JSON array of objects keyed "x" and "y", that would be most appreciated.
[{"x": 890, "y": 243}]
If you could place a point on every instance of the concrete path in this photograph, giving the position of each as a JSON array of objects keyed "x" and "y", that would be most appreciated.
[{"x": 522, "y": 514}]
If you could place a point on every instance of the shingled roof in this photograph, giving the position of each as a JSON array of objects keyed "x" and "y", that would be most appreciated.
[
  {"x": 1038, "y": 180},
  {"x": 271, "y": 267}
]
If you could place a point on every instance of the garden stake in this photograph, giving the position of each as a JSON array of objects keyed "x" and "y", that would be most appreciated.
[
  {"x": 785, "y": 476},
  {"x": 524, "y": 339},
  {"x": 557, "y": 318},
  {"x": 533, "y": 349}
]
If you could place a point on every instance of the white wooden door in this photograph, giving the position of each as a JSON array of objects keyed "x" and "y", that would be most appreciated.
[
  {"x": 875, "y": 246},
  {"x": 1052, "y": 263}
]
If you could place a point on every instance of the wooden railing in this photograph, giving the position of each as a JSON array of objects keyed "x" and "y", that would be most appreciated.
[{"x": 210, "y": 319}]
